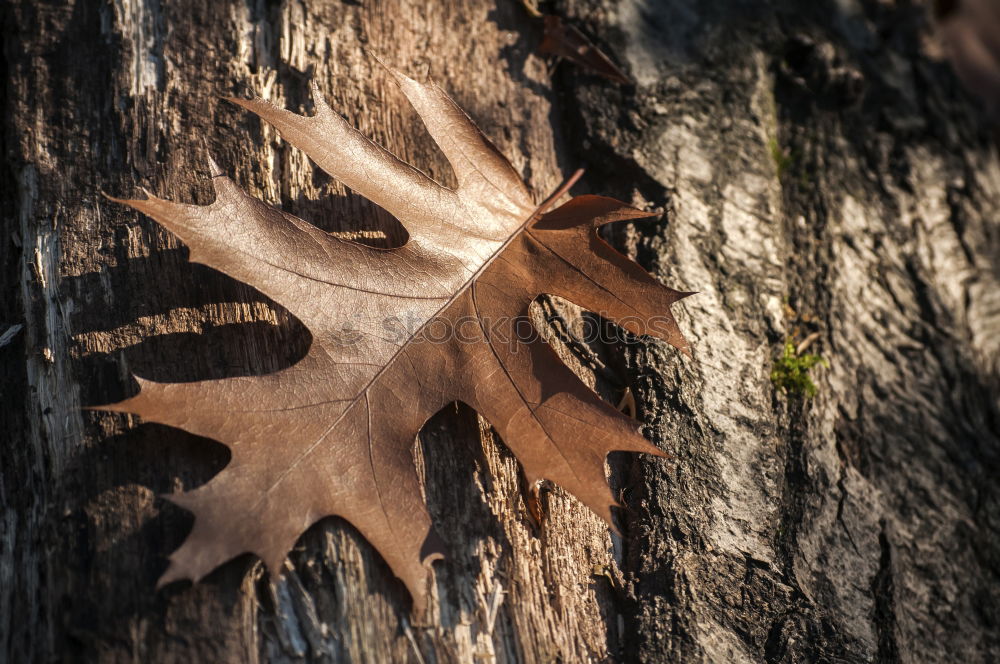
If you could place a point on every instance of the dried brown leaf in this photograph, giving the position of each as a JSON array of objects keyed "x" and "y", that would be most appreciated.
[
  {"x": 333, "y": 434},
  {"x": 565, "y": 40}
]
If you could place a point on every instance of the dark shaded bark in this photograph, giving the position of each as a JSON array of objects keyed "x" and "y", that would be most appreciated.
[{"x": 818, "y": 172}]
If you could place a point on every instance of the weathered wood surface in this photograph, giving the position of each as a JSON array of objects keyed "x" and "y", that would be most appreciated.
[{"x": 859, "y": 526}]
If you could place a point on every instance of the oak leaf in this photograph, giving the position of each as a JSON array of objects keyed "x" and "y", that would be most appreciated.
[
  {"x": 565, "y": 40},
  {"x": 434, "y": 321}
]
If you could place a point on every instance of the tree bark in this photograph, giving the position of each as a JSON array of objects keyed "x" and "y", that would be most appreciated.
[{"x": 820, "y": 176}]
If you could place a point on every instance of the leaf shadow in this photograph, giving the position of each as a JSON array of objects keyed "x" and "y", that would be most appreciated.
[
  {"x": 459, "y": 485},
  {"x": 128, "y": 473},
  {"x": 513, "y": 19},
  {"x": 127, "y": 570},
  {"x": 351, "y": 216}
]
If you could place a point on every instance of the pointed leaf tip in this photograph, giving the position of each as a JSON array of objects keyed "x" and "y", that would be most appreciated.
[
  {"x": 401, "y": 79},
  {"x": 318, "y": 98},
  {"x": 276, "y": 566},
  {"x": 392, "y": 70},
  {"x": 213, "y": 168},
  {"x": 171, "y": 575}
]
